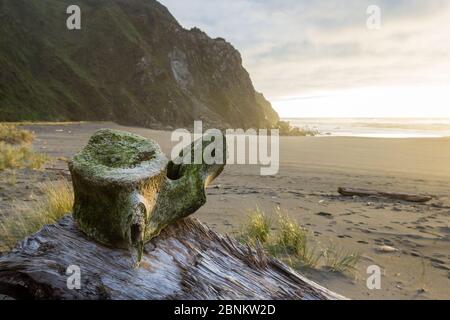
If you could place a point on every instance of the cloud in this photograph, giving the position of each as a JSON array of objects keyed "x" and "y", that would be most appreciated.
[{"x": 296, "y": 47}]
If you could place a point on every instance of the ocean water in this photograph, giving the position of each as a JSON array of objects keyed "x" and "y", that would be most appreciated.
[{"x": 377, "y": 127}]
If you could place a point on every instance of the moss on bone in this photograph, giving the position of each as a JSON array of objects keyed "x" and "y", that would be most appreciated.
[
  {"x": 188, "y": 188},
  {"x": 114, "y": 150},
  {"x": 123, "y": 197},
  {"x": 116, "y": 155}
]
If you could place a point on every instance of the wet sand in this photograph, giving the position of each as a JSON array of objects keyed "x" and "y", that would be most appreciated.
[{"x": 311, "y": 170}]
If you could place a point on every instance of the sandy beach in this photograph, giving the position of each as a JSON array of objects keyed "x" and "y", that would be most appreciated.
[{"x": 311, "y": 170}]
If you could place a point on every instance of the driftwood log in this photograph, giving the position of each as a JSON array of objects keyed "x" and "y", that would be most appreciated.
[
  {"x": 186, "y": 261},
  {"x": 349, "y": 192}
]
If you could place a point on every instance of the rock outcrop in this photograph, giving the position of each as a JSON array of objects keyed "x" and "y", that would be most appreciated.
[{"x": 131, "y": 62}]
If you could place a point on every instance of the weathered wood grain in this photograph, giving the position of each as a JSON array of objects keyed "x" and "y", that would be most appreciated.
[{"x": 187, "y": 261}]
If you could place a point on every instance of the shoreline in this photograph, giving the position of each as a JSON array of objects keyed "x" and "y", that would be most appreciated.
[{"x": 402, "y": 128}]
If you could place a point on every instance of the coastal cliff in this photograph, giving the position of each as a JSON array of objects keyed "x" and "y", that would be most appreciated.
[{"x": 131, "y": 63}]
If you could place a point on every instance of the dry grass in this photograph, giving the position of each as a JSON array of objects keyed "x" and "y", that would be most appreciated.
[
  {"x": 257, "y": 227},
  {"x": 55, "y": 203},
  {"x": 290, "y": 243},
  {"x": 291, "y": 236},
  {"x": 16, "y": 157},
  {"x": 16, "y": 151},
  {"x": 340, "y": 260},
  {"x": 10, "y": 134}
]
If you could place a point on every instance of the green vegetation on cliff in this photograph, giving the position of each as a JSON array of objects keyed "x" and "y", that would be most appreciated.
[{"x": 131, "y": 62}]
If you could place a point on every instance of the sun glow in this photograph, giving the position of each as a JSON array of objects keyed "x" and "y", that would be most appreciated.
[{"x": 373, "y": 102}]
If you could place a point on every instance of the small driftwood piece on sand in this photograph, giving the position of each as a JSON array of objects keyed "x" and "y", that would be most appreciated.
[
  {"x": 186, "y": 261},
  {"x": 349, "y": 192}
]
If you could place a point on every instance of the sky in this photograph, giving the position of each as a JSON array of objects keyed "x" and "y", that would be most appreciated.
[{"x": 319, "y": 58}]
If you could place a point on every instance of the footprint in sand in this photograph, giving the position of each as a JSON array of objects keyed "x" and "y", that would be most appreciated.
[{"x": 415, "y": 253}]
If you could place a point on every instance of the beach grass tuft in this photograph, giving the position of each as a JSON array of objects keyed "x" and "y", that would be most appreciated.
[
  {"x": 340, "y": 260},
  {"x": 16, "y": 151},
  {"x": 57, "y": 200},
  {"x": 291, "y": 236},
  {"x": 22, "y": 156},
  {"x": 10, "y": 134},
  {"x": 291, "y": 243},
  {"x": 257, "y": 227}
]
